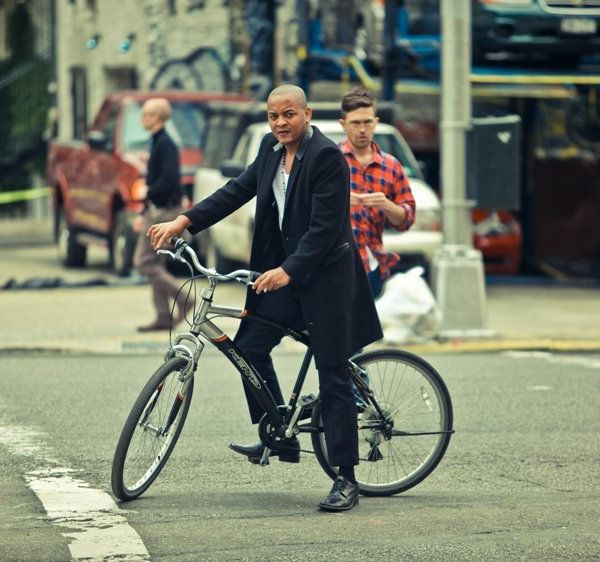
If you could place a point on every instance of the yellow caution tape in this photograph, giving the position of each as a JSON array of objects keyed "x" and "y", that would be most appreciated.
[{"x": 23, "y": 195}]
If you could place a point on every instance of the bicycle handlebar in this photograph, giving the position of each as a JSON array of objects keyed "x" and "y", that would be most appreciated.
[{"x": 180, "y": 245}]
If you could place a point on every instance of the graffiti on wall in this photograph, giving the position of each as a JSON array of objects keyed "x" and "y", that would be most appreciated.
[{"x": 202, "y": 69}]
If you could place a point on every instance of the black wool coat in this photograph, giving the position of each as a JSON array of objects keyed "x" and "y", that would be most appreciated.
[
  {"x": 163, "y": 171},
  {"x": 320, "y": 253}
]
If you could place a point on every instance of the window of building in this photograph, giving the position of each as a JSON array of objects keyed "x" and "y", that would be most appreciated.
[{"x": 79, "y": 97}]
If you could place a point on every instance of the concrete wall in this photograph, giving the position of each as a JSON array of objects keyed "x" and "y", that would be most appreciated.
[
  {"x": 77, "y": 22},
  {"x": 171, "y": 46},
  {"x": 161, "y": 37}
]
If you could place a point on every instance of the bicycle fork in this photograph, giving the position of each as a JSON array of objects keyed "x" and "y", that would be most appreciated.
[{"x": 190, "y": 352}]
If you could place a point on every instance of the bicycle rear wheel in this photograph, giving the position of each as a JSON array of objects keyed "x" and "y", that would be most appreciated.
[
  {"x": 413, "y": 396},
  {"x": 151, "y": 430}
]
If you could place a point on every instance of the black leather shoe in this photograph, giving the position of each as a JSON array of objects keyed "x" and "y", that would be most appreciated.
[
  {"x": 290, "y": 452},
  {"x": 343, "y": 496}
]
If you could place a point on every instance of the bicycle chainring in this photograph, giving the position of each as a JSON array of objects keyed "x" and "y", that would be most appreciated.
[{"x": 266, "y": 432}]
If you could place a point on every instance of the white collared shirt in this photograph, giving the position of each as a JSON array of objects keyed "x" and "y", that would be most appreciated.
[{"x": 280, "y": 182}]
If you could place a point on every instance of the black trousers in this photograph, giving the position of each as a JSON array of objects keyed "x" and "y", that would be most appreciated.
[{"x": 256, "y": 341}]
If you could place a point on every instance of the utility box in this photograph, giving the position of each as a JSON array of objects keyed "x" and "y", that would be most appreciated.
[{"x": 494, "y": 162}]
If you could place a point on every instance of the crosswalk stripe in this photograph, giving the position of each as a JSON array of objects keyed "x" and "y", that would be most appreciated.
[{"x": 95, "y": 527}]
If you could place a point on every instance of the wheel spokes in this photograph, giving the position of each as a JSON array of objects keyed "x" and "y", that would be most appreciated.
[{"x": 153, "y": 432}]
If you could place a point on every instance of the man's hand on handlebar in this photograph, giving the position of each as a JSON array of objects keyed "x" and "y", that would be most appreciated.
[
  {"x": 271, "y": 280},
  {"x": 160, "y": 234}
]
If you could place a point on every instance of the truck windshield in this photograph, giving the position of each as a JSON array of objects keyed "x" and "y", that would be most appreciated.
[
  {"x": 391, "y": 145},
  {"x": 185, "y": 127}
]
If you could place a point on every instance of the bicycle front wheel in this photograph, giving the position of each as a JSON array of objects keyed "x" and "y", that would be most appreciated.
[
  {"x": 413, "y": 397},
  {"x": 151, "y": 430}
]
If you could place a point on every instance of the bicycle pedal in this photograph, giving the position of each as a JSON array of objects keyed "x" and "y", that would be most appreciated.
[{"x": 307, "y": 400}]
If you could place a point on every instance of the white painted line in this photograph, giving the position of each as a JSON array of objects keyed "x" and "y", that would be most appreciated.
[
  {"x": 97, "y": 530},
  {"x": 585, "y": 361}
]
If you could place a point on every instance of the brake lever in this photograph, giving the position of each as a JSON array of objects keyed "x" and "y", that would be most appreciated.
[
  {"x": 245, "y": 280},
  {"x": 176, "y": 256}
]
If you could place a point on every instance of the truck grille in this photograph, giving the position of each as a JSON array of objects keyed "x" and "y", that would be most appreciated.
[{"x": 571, "y": 6}]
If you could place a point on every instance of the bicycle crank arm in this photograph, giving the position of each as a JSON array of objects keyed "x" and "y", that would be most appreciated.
[{"x": 264, "y": 461}]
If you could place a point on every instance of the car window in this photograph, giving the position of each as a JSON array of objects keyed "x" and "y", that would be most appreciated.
[
  {"x": 186, "y": 126},
  {"x": 221, "y": 138},
  {"x": 390, "y": 144},
  {"x": 241, "y": 150},
  {"x": 229, "y": 137},
  {"x": 212, "y": 148},
  {"x": 110, "y": 126}
]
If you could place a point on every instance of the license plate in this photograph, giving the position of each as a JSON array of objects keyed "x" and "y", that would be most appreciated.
[{"x": 578, "y": 26}]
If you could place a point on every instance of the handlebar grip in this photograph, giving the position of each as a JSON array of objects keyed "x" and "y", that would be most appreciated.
[
  {"x": 177, "y": 242},
  {"x": 255, "y": 275}
]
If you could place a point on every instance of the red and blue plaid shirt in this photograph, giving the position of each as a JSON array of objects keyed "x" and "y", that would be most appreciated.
[{"x": 384, "y": 173}]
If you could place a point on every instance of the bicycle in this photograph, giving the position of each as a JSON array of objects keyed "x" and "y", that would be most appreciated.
[{"x": 404, "y": 420}]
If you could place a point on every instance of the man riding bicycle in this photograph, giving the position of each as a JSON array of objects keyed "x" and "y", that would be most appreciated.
[{"x": 313, "y": 275}]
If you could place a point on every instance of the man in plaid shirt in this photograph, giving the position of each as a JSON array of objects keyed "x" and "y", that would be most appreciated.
[{"x": 380, "y": 195}]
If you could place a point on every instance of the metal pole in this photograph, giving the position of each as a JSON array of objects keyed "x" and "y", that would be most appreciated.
[
  {"x": 457, "y": 273},
  {"x": 389, "y": 44},
  {"x": 302, "y": 50}
]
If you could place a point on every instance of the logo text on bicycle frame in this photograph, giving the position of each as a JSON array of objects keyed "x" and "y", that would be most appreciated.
[{"x": 250, "y": 375}]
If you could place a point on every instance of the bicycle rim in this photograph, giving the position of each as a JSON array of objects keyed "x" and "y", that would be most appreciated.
[
  {"x": 413, "y": 395},
  {"x": 151, "y": 430}
]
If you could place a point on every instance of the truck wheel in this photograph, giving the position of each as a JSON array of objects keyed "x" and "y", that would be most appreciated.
[
  {"x": 122, "y": 245},
  {"x": 70, "y": 252}
]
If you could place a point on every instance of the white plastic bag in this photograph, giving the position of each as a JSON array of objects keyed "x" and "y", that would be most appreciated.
[{"x": 407, "y": 309}]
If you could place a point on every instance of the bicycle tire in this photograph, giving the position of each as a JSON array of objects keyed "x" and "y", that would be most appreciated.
[
  {"x": 137, "y": 464},
  {"x": 414, "y": 395}
]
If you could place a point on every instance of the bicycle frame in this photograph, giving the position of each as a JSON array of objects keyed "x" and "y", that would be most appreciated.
[
  {"x": 282, "y": 424},
  {"x": 204, "y": 327}
]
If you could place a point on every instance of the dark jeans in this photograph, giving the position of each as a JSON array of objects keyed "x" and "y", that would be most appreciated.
[{"x": 256, "y": 341}]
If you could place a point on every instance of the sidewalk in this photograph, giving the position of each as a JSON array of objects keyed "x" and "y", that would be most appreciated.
[{"x": 103, "y": 319}]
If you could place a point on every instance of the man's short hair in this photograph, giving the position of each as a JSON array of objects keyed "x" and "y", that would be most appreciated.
[
  {"x": 290, "y": 90},
  {"x": 355, "y": 99}
]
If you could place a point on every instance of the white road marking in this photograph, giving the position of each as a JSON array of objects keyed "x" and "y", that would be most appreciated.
[
  {"x": 97, "y": 530},
  {"x": 587, "y": 362}
]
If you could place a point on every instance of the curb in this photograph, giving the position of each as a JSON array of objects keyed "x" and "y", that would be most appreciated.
[
  {"x": 134, "y": 347},
  {"x": 545, "y": 344}
]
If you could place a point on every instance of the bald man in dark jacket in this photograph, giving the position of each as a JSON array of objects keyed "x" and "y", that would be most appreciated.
[
  {"x": 313, "y": 275},
  {"x": 163, "y": 203}
]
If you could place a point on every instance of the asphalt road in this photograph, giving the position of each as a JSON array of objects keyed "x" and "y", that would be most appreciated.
[{"x": 520, "y": 480}]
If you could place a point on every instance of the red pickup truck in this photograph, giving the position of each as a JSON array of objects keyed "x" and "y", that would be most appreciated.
[{"x": 98, "y": 184}]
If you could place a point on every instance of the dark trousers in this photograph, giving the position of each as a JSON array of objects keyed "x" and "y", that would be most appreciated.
[
  {"x": 256, "y": 341},
  {"x": 165, "y": 287}
]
